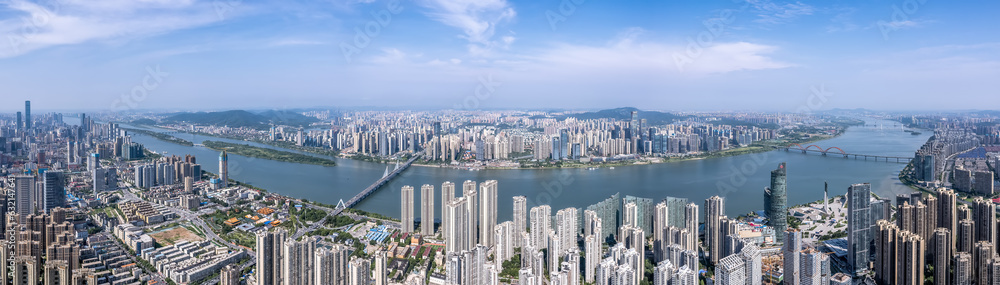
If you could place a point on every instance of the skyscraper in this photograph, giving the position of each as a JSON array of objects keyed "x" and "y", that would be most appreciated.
[
  {"x": 455, "y": 233},
  {"x": 54, "y": 190},
  {"x": 381, "y": 270},
  {"x": 776, "y": 201},
  {"x": 753, "y": 264},
  {"x": 541, "y": 217},
  {"x": 24, "y": 192},
  {"x": 568, "y": 229},
  {"x": 472, "y": 206},
  {"x": 966, "y": 236},
  {"x": 224, "y": 168},
  {"x": 269, "y": 256},
  {"x": 332, "y": 266},
  {"x": 298, "y": 261},
  {"x": 406, "y": 208},
  {"x": 447, "y": 194},
  {"x": 691, "y": 225},
  {"x": 963, "y": 268},
  {"x": 360, "y": 271},
  {"x": 948, "y": 212},
  {"x": 942, "y": 246},
  {"x": 858, "y": 227},
  {"x": 885, "y": 252},
  {"x": 984, "y": 213},
  {"x": 27, "y": 114},
  {"x": 488, "y": 212},
  {"x": 790, "y": 254},
  {"x": 910, "y": 255},
  {"x": 20, "y": 122},
  {"x": 731, "y": 271},
  {"x": 714, "y": 212},
  {"x": 520, "y": 218},
  {"x": 660, "y": 224},
  {"x": 426, "y": 210},
  {"x": 630, "y": 214}
]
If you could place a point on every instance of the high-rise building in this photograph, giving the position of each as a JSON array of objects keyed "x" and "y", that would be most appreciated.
[
  {"x": 963, "y": 268},
  {"x": 298, "y": 261},
  {"x": 488, "y": 212},
  {"x": 332, "y": 266},
  {"x": 360, "y": 271},
  {"x": 910, "y": 256},
  {"x": 456, "y": 235},
  {"x": 630, "y": 214},
  {"x": 984, "y": 213},
  {"x": 54, "y": 190},
  {"x": 567, "y": 229},
  {"x": 472, "y": 206},
  {"x": 27, "y": 114},
  {"x": 505, "y": 238},
  {"x": 948, "y": 212},
  {"x": 982, "y": 254},
  {"x": 714, "y": 212},
  {"x": 644, "y": 212},
  {"x": 20, "y": 122},
  {"x": 224, "y": 169},
  {"x": 661, "y": 217},
  {"x": 730, "y": 271},
  {"x": 520, "y": 216},
  {"x": 691, "y": 225},
  {"x": 381, "y": 270},
  {"x": 811, "y": 267},
  {"x": 753, "y": 265},
  {"x": 858, "y": 227},
  {"x": 541, "y": 218},
  {"x": 269, "y": 256},
  {"x": 608, "y": 210},
  {"x": 426, "y": 210},
  {"x": 24, "y": 196},
  {"x": 447, "y": 194},
  {"x": 885, "y": 252},
  {"x": 776, "y": 201},
  {"x": 966, "y": 236},
  {"x": 230, "y": 275},
  {"x": 942, "y": 246},
  {"x": 406, "y": 208},
  {"x": 790, "y": 256}
]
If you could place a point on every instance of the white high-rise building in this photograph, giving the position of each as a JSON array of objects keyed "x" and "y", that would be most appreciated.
[
  {"x": 520, "y": 216},
  {"x": 663, "y": 272},
  {"x": 541, "y": 218},
  {"x": 297, "y": 262},
  {"x": 691, "y": 225},
  {"x": 730, "y": 271},
  {"x": 660, "y": 233},
  {"x": 488, "y": 212},
  {"x": 406, "y": 207},
  {"x": 504, "y": 236},
  {"x": 381, "y": 270},
  {"x": 472, "y": 206},
  {"x": 456, "y": 237},
  {"x": 426, "y": 210},
  {"x": 630, "y": 215},
  {"x": 753, "y": 265},
  {"x": 447, "y": 194},
  {"x": 593, "y": 249},
  {"x": 269, "y": 256},
  {"x": 566, "y": 223}
]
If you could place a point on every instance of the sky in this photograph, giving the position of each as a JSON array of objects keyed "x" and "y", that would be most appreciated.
[{"x": 727, "y": 55}]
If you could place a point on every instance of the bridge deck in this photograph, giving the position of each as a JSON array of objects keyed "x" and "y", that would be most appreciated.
[{"x": 375, "y": 186}]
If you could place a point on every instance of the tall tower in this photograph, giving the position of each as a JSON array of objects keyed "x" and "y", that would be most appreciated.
[
  {"x": 776, "y": 201},
  {"x": 455, "y": 234},
  {"x": 472, "y": 204},
  {"x": 520, "y": 219},
  {"x": 691, "y": 225},
  {"x": 826, "y": 198},
  {"x": 224, "y": 168},
  {"x": 20, "y": 122},
  {"x": 406, "y": 208},
  {"x": 426, "y": 210},
  {"x": 790, "y": 252},
  {"x": 447, "y": 194},
  {"x": 858, "y": 226},
  {"x": 541, "y": 219},
  {"x": 27, "y": 114}
]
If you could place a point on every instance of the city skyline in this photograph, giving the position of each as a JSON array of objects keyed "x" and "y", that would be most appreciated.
[{"x": 762, "y": 54}]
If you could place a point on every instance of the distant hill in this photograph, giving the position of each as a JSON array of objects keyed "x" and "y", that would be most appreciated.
[
  {"x": 625, "y": 113},
  {"x": 147, "y": 122},
  {"x": 241, "y": 118}
]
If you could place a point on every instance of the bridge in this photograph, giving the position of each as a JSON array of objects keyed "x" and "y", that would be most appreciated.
[
  {"x": 375, "y": 186},
  {"x": 838, "y": 151}
]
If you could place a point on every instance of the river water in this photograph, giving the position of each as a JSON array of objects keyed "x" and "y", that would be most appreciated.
[{"x": 740, "y": 179}]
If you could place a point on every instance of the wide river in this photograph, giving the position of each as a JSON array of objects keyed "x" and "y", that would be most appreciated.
[{"x": 740, "y": 179}]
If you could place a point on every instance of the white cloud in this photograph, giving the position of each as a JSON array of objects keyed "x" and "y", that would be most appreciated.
[
  {"x": 478, "y": 20},
  {"x": 902, "y": 24},
  {"x": 294, "y": 42},
  {"x": 68, "y": 22}
]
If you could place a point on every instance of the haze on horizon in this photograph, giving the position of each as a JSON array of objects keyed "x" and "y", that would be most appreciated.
[{"x": 567, "y": 54}]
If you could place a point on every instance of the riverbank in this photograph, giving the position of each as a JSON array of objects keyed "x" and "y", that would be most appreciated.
[
  {"x": 266, "y": 153},
  {"x": 161, "y": 136}
]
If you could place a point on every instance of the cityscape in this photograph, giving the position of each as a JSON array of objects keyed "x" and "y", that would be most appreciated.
[{"x": 258, "y": 149}]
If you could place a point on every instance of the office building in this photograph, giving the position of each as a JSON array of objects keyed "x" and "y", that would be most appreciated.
[
  {"x": 427, "y": 210},
  {"x": 24, "y": 194},
  {"x": 776, "y": 201},
  {"x": 406, "y": 209},
  {"x": 27, "y": 115},
  {"x": 790, "y": 254},
  {"x": 858, "y": 227},
  {"x": 753, "y": 265},
  {"x": 54, "y": 192},
  {"x": 730, "y": 271},
  {"x": 223, "y": 169}
]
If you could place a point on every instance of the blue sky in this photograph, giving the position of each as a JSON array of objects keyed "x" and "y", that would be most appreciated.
[{"x": 764, "y": 55}]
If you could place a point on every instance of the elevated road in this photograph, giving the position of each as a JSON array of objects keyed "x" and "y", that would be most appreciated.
[
  {"x": 375, "y": 186},
  {"x": 840, "y": 152}
]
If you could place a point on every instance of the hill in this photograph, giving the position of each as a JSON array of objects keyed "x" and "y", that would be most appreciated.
[{"x": 241, "y": 118}]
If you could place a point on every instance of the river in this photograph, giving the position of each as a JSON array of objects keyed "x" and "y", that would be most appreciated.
[{"x": 740, "y": 179}]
